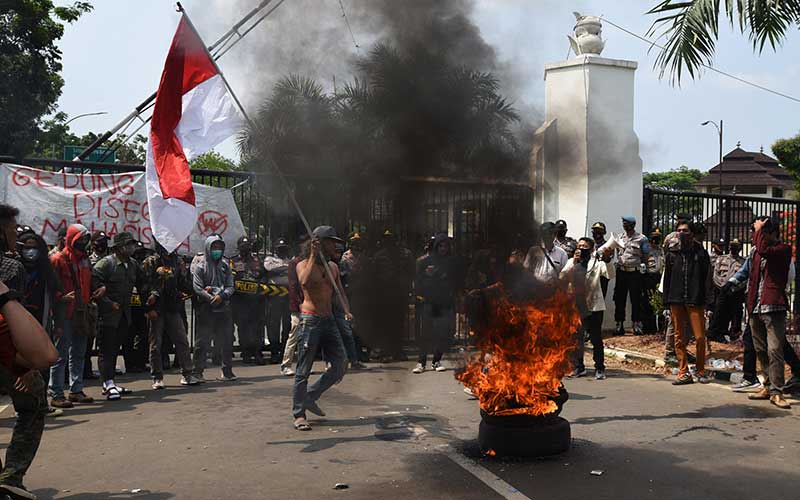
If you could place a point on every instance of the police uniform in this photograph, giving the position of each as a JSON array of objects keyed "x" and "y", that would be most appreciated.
[
  {"x": 655, "y": 268},
  {"x": 279, "y": 319},
  {"x": 248, "y": 308},
  {"x": 728, "y": 308}
]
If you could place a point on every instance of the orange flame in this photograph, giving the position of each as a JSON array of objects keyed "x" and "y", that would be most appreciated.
[{"x": 524, "y": 354}]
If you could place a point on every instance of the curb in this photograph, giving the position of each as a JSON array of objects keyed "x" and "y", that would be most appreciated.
[{"x": 632, "y": 356}]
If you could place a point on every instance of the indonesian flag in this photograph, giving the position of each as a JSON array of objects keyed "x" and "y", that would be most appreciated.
[{"x": 193, "y": 113}]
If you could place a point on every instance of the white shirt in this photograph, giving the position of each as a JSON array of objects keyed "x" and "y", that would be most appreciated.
[
  {"x": 544, "y": 269},
  {"x": 594, "y": 291}
]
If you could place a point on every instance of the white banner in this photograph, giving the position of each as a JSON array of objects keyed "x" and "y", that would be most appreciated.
[{"x": 112, "y": 203}]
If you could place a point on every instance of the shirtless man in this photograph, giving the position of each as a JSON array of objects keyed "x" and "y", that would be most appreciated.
[{"x": 318, "y": 326}]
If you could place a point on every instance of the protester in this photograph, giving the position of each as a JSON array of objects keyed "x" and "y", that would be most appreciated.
[
  {"x": 166, "y": 279},
  {"x": 563, "y": 241},
  {"x": 672, "y": 243},
  {"x": 344, "y": 326},
  {"x": 393, "y": 274},
  {"x": 652, "y": 281},
  {"x": 295, "y": 299},
  {"x": 687, "y": 291},
  {"x": 632, "y": 249},
  {"x": 545, "y": 260},
  {"x": 584, "y": 271},
  {"x": 61, "y": 236},
  {"x": 318, "y": 331},
  {"x": 436, "y": 284},
  {"x": 355, "y": 267},
  {"x": 78, "y": 323},
  {"x": 279, "y": 321},
  {"x": 99, "y": 247},
  {"x": 213, "y": 285},
  {"x": 767, "y": 305},
  {"x": 599, "y": 238},
  {"x": 726, "y": 304},
  {"x": 135, "y": 347},
  {"x": 248, "y": 305},
  {"x": 118, "y": 273}
]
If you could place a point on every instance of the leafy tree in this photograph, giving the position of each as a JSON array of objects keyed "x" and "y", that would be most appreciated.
[
  {"x": 691, "y": 29},
  {"x": 30, "y": 63},
  {"x": 787, "y": 151},
  {"x": 212, "y": 160},
  {"x": 677, "y": 179}
]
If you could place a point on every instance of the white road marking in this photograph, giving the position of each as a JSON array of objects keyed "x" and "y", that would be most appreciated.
[{"x": 483, "y": 475}]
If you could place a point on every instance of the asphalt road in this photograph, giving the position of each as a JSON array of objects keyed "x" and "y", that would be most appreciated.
[{"x": 391, "y": 434}]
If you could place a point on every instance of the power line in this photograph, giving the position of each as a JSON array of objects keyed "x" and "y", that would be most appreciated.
[
  {"x": 715, "y": 70},
  {"x": 347, "y": 22}
]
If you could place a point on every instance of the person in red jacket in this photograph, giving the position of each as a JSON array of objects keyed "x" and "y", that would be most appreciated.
[
  {"x": 767, "y": 305},
  {"x": 72, "y": 267}
]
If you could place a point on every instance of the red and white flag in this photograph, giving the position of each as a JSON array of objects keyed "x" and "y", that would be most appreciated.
[{"x": 193, "y": 113}]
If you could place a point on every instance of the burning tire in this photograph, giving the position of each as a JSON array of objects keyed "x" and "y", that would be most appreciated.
[{"x": 542, "y": 437}]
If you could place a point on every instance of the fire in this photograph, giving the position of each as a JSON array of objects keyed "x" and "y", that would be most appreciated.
[{"x": 524, "y": 353}]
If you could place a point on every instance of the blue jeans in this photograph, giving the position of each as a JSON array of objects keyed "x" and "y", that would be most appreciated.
[
  {"x": 315, "y": 334},
  {"x": 71, "y": 348},
  {"x": 348, "y": 339}
]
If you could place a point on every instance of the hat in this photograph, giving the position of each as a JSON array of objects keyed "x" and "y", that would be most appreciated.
[
  {"x": 561, "y": 224},
  {"x": 281, "y": 243},
  {"x": 122, "y": 239},
  {"x": 599, "y": 225},
  {"x": 720, "y": 242},
  {"x": 547, "y": 227},
  {"x": 355, "y": 236},
  {"x": 388, "y": 233},
  {"x": 736, "y": 241},
  {"x": 326, "y": 233},
  {"x": 655, "y": 232},
  {"x": 242, "y": 240},
  {"x": 629, "y": 218},
  {"x": 99, "y": 235}
]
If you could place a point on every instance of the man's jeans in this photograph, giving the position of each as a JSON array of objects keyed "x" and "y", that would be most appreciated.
[
  {"x": 438, "y": 326},
  {"x": 592, "y": 324},
  {"x": 71, "y": 349},
  {"x": 216, "y": 325},
  {"x": 348, "y": 339},
  {"x": 170, "y": 323},
  {"x": 769, "y": 337},
  {"x": 317, "y": 334}
]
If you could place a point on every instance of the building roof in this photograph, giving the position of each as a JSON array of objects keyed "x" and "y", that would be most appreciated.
[{"x": 745, "y": 168}]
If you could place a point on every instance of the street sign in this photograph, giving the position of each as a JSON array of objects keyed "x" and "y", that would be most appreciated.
[{"x": 71, "y": 152}]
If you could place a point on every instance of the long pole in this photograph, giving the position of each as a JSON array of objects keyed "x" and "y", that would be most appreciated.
[
  {"x": 147, "y": 102},
  {"x": 720, "y": 157},
  {"x": 270, "y": 160}
]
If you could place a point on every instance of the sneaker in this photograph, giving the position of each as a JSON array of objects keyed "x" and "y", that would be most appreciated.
[
  {"x": 227, "y": 378},
  {"x": 158, "y": 384},
  {"x": 80, "y": 398},
  {"x": 684, "y": 379},
  {"x": 792, "y": 384},
  {"x": 600, "y": 375},
  {"x": 637, "y": 328},
  {"x": 469, "y": 393},
  {"x": 17, "y": 492},
  {"x": 314, "y": 408},
  {"x": 620, "y": 328},
  {"x": 199, "y": 378},
  {"x": 746, "y": 386},
  {"x": 189, "y": 380},
  {"x": 61, "y": 403},
  {"x": 578, "y": 373},
  {"x": 437, "y": 366},
  {"x": 287, "y": 372},
  {"x": 54, "y": 412},
  {"x": 419, "y": 368},
  {"x": 703, "y": 379}
]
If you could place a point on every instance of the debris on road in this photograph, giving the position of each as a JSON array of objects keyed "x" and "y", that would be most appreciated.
[
  {"x": 341, "y": 486},
  {"x": 597, "y": 473}
]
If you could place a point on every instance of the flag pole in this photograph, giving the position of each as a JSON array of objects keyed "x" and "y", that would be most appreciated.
[{"x": 269, "y": 157}]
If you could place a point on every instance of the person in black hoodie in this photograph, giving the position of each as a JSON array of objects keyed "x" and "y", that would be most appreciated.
[
  {"x": 687, "y": 292},
  {"x": 437, "y": 283}
]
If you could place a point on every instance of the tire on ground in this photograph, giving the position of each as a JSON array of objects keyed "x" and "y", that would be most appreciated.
[{"x": 548, "y": 438}]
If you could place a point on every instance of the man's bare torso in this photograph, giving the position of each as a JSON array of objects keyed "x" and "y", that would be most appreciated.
[{"x": 317, "y": 289}]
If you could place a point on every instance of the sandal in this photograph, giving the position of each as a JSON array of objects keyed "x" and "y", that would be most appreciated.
[
  {"x": 112, "y": 393},
  {"x": 301, "y": 424}
]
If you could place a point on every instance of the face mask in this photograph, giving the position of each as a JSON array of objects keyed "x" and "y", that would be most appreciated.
[
  {"x": 30, "y": 254},
  {"x": 216, "y": 254},
  {"x": 585, "y": 254},
  {"x": 561, "y": 234},
  {"x": 100, "y": 248},
  {"x": 686, "y": 238},
  {"x": 81, "y": 245},
  {"x": 628, "y": 227},
  {"x": 244, "y": 249}
]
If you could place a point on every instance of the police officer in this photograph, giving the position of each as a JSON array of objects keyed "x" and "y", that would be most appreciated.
[
  {"x": 279, "y": 320},
  {"x": 652, "y": 278},
  {"x": 563, "y": 241},
  {"x": 727, "y": 305},
  {"x": 632, "y": 249},
  {"x": 247, "y": 302}
]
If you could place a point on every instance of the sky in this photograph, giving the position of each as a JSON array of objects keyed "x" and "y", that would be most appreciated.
[{"x": 113, "y": 58}]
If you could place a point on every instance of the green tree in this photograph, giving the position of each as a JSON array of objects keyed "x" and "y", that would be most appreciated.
[
  {"x": 677, "y": 179},
  {"x": 691, "y": 29},
  {"x": 30, "y": 63},
  {"x": 787, "y": 151},
  {"x": 212, "y": 160}
]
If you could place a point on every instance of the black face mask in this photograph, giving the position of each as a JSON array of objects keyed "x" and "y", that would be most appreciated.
[
  {"x": 81, "y": 245},
  {"x": 561, "y": 233},
  {"x": 245, "y": 249},
  {"x": 686, "y": 238},
  {"x": 586, "y": 253}
]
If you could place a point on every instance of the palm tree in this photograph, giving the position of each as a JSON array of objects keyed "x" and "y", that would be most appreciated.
[{"x": 691, "y": 29}]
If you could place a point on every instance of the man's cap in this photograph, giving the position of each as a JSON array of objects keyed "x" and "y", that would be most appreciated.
[
  {"x": 599, "y": 225},
  {"x": 736, "y": 242},
  {"x": 281, "y": 243},
  {"x": 355, "y": 236},
  {"x": 326, "y": 233},
  {"x": 629, "y": 218},
  {"x": 547, "y": 227},
  {"x": 24, "y": 230},
  {"x": 720, "y": 242},
  {"x": 99, "y": 235},
  {"x": 561, "y": 224},
  {"x": 388, "y": 233},
  {"x": 655, "y": 232},
  {"x": 242, "y": 240},
  {"x": 122, "y": 239}
]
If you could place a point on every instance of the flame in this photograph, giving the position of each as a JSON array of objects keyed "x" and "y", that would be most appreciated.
[{"x": 524, "y": 353}]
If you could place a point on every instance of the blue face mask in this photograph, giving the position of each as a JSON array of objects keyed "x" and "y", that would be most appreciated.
[
  {"x": 216, "y": 254},
  {"x": 30, "y": 254}
]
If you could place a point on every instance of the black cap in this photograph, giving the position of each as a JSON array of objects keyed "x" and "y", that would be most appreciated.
[
  {"x": 326, "y": 233},
  {"x": 242, "y": 240},
  {"x": 99, "y": 235},
  {"x": 281, "y": 243},
  {"x": 122, "y": 239},
  {"x": 561, "y": 224},
  {"x": 720, "y": 242},
  {"x": 547, "y": 227}
]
